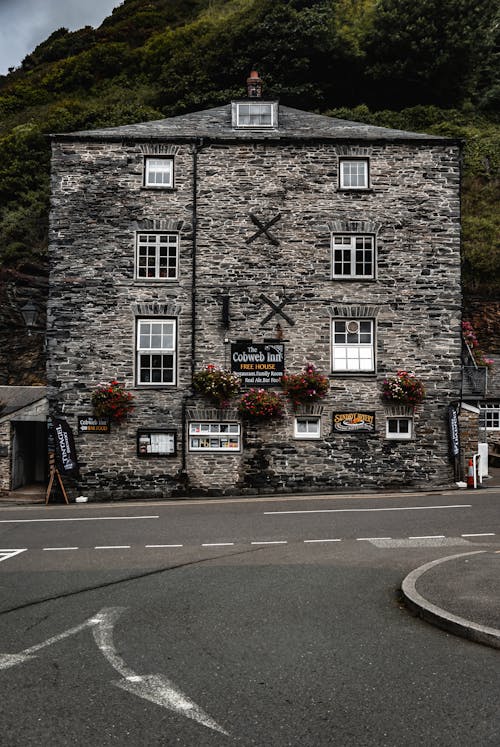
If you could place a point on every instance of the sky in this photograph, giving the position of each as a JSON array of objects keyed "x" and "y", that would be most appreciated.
[{"x": 26, "y": 23}]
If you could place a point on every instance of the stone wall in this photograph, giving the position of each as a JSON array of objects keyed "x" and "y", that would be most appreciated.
[{"x": 412, "y": 208}]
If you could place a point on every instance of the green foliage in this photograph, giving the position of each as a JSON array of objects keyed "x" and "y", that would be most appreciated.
[{"x": 430, "y": 51}]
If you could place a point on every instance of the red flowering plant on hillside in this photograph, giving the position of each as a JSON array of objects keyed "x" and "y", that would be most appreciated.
[
  {"x": 217, "y": 384},
  {"x": 112, "y": 401},
  {"x": 470, "y": 337},
  {"x": 305, "y": 387},
  {"x": 261, "y": 404},
  {"x": 403, "y": 389}
]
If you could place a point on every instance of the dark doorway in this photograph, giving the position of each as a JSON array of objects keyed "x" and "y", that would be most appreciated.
[{"x": 29, "y": 453}]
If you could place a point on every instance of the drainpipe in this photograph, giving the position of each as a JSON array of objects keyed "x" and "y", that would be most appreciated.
[{"x": 198, "y": 145}]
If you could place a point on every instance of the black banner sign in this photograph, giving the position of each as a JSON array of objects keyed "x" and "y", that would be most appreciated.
[
  {"x": 353, "y": 422},
  {"x": 91, "y": 424},
  {"x": 64, "y": 444},
  {"x": 453, "y": 433},
  {"x": 259, "y": 364}
]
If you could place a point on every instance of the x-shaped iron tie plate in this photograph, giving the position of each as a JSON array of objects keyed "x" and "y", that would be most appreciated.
[
  {"x": 277, "y": 309},
  {"x": 264, "y": 228}
]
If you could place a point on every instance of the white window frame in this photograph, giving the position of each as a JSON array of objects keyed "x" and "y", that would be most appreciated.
[
  {"x": 398, "y": 434},
  {"x": 156, "y": 241},
  {"x": 161, "y": 332},
  {"x": 313, "y": 426},
  {"x": 209, "y": 436},
  {"x": 350, "y": 349},
  {"x": 349, "y": 173},
  {"x": 156, "y": 177},
  {"x": 490, "y": 412},
  {"x": 240, "y": 120},
  {"x": 349, "y": 245}
]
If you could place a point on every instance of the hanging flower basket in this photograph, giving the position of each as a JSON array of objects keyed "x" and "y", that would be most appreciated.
[
  {"x": 260, "y": 404},
  {"x": 403, "y": 389},
  {"x": 469, "y": 336},
  {"x": 306, "y": 387},
  {"x": 217, "y": 385},
  {"x": 112, "y": 401}
]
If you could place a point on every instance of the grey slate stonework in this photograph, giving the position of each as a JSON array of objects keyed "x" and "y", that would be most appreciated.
[{"x": 221, "y": 177}]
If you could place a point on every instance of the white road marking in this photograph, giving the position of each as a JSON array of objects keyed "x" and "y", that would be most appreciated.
[
  {"x": 218, "y": 544},
  {"x": 364, "y": 510},
  {"x": 323, "y": 540},
  {"x": 163, "y": 545},
  {"x": 482, "y": 534},
  {"x": 371, "y": 539},
  {"x": 112, "y": 547},
  {"x": 79, "y": 518},
  {"x": 428, "y": 537},
  {"x": 45, "y": 549},
  {"x": 6, "y": 554},
  {"x": 270, "y": 542},
  {"x": 153, "y": 687}
]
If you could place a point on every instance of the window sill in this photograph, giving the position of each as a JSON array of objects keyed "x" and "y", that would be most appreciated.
[
  {"x": 353, "y": 374},
  {"x": 154, "y": 281},
  {"x": 359, "y": 279},
  {"x": 145, "y": 188},
  {"x": 351, "y": 190}
]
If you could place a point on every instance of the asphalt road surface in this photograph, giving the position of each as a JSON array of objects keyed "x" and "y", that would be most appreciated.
[{"x": 239, "y": 622}]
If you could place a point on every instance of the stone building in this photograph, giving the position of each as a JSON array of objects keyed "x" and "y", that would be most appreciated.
[{"x": 255, "y": 237}]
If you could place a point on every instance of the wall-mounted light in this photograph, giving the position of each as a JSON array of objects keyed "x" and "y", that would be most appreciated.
[{"x": 30, "y": 313}]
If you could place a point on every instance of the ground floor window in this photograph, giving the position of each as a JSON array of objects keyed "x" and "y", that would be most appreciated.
[
  {"x": 490, "y": 415},
  {"x": 400, "y": 429},
  {"x": 156, "y": 350},
  {"x": 214, "y": 436},
  {"x": 307, "y": 426}
]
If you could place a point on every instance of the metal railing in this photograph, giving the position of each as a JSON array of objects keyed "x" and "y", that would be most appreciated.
[{"x": 474, "y": 381}]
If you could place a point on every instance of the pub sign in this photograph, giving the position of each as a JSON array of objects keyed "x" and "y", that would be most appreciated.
[
  {"x": 354, "y": 422},
  {"x": 258, "y": 364},
  {"x": 91, "y": 424}
]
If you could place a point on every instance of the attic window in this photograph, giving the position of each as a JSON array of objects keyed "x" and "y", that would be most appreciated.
[{"x": 254, "y": 114}]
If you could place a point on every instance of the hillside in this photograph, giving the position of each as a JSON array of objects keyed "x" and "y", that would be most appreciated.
[{"x": 428, "y": 66}]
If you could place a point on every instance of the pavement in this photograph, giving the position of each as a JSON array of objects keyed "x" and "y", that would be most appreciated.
[{"x": 458, "y": 593}]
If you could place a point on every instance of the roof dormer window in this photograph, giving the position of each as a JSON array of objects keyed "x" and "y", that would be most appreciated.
[{"x": 255, "y": 115}]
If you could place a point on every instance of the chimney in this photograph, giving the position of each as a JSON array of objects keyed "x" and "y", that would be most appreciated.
[{"x": 254, "y": 85}]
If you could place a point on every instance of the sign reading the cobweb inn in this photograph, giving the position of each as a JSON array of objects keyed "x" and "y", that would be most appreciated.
[
  {"x": 258, "y": 364},
  {"x": 353, "y": 422}
]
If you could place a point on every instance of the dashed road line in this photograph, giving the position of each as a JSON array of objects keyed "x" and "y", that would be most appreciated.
[
  {"x": 158, "y": 546},
  {"x": 479, "y": 534},
  {"x": 270, "y": 542},
  {"x": 78, "y": 518},
  {"x": 428, "y": 537},
  {"x": 364, "y": 510},
  {"x": 371, "y": 539},
  {"x": 112, "y": 547},
  {"x": 323, "y": 540},
  {"x": 46, "y": 549},
  {"x": 218, "y": 544}
]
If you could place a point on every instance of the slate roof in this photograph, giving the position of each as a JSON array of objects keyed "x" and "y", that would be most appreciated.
[
  {"x": 215, "y": 124},
  {"x": 14, "y": 398}
]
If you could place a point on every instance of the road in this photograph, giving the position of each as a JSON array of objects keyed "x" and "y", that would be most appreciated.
[{"x": 246, "y": 622}]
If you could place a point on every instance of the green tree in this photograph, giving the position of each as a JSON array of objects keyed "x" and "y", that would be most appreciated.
[{"x": 429, "y": 51}]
